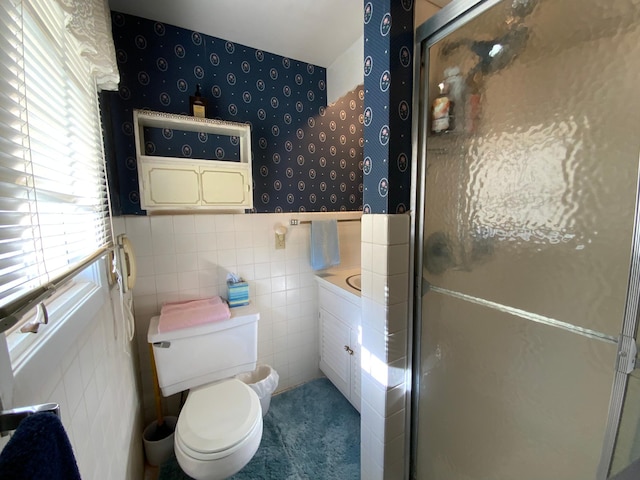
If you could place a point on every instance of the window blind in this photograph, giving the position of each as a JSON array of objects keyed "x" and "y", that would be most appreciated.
[{"x": 54, "y": 213}]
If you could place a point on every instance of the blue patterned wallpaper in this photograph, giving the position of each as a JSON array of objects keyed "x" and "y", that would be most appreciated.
[
  {"x": 388, "y": 85},
  {"x": 306, "y": 156},
  {"x": 167, "y": 142}
]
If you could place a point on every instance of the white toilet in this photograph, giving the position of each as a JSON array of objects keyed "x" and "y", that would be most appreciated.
[{"x": 220, "y": 426}]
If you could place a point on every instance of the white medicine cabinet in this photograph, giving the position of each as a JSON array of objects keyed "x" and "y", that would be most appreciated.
[{"x": 172, "y": 183}]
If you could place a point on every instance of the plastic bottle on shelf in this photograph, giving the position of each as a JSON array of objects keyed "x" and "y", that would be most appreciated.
[{"x": 441, "y": 119}]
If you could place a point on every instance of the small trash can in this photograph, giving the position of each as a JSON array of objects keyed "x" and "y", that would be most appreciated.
[
  {"x": 264, "y": 381},
  {"x": 158, "y": 442}
]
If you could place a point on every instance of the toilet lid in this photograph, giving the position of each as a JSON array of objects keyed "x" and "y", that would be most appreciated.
[{"x": 216, "y": 417}]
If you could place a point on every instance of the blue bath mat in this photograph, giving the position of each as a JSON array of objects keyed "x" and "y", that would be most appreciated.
[{"x": 311, "y": 432}]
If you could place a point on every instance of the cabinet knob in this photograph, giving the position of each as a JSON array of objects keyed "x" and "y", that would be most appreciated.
[{"x": 348, "y": 350}]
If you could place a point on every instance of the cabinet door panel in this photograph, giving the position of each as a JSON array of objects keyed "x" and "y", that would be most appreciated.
[
  {"x": 167, "y": 185},
  {"x": 335, "y": 362},
  {"x": 225, "y": 187}
]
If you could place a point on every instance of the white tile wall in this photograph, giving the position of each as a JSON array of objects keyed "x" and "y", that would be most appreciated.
[
  {"x": 185, "y": 257},
  {"x": 95, "y": 383},
  {"x": 385, "y": 296}
]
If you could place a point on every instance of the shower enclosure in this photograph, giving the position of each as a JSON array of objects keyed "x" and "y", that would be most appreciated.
[{"x": 528, "y": 251}]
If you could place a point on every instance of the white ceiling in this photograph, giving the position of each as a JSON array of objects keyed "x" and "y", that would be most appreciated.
[{"x": 314, "y": 31}]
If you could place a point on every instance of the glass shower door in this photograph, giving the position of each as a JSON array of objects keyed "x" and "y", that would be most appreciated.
[{"x": 528, "y": 198}]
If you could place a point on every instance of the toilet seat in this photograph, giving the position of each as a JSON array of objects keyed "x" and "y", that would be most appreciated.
[{"x": 218, "y": 419}]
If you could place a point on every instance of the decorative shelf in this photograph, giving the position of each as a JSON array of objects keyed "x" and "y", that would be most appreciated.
[{"x": 178, "y": 183}]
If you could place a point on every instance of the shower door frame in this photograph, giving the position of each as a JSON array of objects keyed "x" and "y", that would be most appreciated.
[{"x": 447, "y": 20}]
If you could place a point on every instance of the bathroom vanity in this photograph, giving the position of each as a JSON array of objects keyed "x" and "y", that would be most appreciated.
[{"x": 340, "y": 330}]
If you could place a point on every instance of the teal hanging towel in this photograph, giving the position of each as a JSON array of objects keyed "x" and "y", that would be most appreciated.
[{"x": 325, "y": 249}]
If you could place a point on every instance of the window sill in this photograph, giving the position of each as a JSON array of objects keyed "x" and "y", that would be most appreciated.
[{"x": 69, "y": 314}]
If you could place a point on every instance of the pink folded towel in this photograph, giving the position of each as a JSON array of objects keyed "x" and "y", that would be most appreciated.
[{"x": 176, "y": 315}]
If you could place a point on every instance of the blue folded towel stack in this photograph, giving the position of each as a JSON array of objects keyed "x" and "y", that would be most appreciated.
[
  {"x": 325, "y": 249},
  {"x": 39, "y": 449}
]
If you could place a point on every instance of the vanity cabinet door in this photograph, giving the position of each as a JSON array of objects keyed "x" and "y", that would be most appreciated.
[
  {"x": 335, "y": 360},
  {"x": 340, "y": 355}
]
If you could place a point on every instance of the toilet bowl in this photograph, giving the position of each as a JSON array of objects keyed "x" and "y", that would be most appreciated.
[{"x": 219, "y": 430}]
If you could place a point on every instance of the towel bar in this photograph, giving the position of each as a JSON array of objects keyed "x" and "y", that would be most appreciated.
[
  {"x": 302, "y": 222},
  {"x": 10, "y": 419}
]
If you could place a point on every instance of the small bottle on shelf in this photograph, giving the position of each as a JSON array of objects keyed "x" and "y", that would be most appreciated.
[
  {"x": 442, "y": 111},
  {"x": 198, "y": 104}
]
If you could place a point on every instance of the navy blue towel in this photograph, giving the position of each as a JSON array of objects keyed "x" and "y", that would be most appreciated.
[{"x": 39, "y": 449}]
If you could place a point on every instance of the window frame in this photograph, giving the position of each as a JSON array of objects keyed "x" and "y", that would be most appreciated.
[{"x": 79, "y": 281}]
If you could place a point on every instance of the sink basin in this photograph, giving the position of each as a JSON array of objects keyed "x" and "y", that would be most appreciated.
[{"x": 354, "y": 281}]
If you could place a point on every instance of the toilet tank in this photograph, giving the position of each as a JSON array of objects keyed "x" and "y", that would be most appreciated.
[{"x": 195, "y": 356}]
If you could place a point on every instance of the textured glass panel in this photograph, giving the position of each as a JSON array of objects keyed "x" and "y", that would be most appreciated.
[
  {"x": 505, "y": 398},
  {"x": 530, "y": 192}
]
